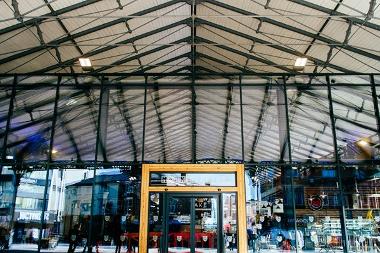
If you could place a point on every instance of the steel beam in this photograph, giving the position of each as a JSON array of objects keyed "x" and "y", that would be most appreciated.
[
  {"x": 247, "y": 55},
  {"x": 155, "y": 101},
  {"x": 124, "y": 112},
  {"x": 264, "y": 105},
  {"x": 32, "y": 22},
  {"x": 288, "y": 168},
  {"x": 339, "y": 170},
  {"x": 59, "y": 41},
  {"x": 296, "y": 30},
  {"x": 69, "y": 133},
  {"x": 138, "y": 56},
  {"x": 62, "y": 25},
  {"x": 226, "y": 120},
  {"x": 241, "y": 120},
  {"x": 345, "y": 104},
  {"x": 146, "y": 69},
  {"x": 8, "y": 123},
  {"x": 375, "y": 105},
  {"x": 40, "y": 103},
  {"x": 193, "y": 125},
  {"x": 264, "y": 42},
  {"x": 103, "y": 123},
  {"x": 50, "y": 158},
  {"x": 321, "y": 30},
  {"x": 268, "y": 74},
  {"x": 208, "y": 57},
  {"x": 91, "y": 241},
  {"x": 333, "y": 13}
]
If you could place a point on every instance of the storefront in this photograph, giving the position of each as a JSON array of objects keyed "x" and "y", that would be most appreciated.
[{"x": 192, "y": 208}]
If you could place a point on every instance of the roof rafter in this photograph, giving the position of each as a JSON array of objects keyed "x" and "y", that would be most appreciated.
[
  {"x": 155, "y": 101},
  {"x": 34, "y": 21},
  {"x": 124, "y": 112},
  {"x": 201, "y": 55},
  {"x": 278, "y": 47},
  {"x": 62, "y": 25},
  {"x": 134, "y": 57},
  {"x": 296, "y": 30},
  {"x": 226, "y": 120},
  {"x": 260, "y": 120},
  {"x": 162, "y": 63},
  {"x": 69, "y": 133},
  {"x": 246, "y": 55},
  {"x": 56, "y": 42},
  {"x": 354, "y": 20}
]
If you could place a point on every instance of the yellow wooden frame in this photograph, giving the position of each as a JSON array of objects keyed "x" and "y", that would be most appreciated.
[{"x": 239, "y": 190}]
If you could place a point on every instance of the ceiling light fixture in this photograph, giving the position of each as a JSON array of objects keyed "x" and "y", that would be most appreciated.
[
  {"x": 300, "y": 63},
  {"x": 54, "y": 151},
  {"x": 85, "y": 63},
  {"x": 363, "y": 143}
]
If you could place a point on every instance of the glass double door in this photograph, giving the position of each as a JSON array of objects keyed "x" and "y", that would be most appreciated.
[{"x": 190, "y": 223}]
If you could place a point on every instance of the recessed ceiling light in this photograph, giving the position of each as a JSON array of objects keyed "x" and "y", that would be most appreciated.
[
  {"x": 85, "y": 62},
  {"x": 300, "y": 62}
]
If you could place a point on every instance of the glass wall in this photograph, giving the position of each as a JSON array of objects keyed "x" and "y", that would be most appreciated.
[
  {"x": 294, "y": 200},
  {"x": 270, "y": 212},
  {"x": 28, "y": 210},
  {"x": 317, "y": 208},
  {"x": 116, "y": 210}
]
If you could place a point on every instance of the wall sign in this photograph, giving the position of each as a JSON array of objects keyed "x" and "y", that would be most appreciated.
[{"x": 315, "y": 203}]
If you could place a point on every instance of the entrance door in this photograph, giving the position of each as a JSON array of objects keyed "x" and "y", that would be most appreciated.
[
  {"x": 192, "y": 223},
  {"x": 186, "y": 209}
]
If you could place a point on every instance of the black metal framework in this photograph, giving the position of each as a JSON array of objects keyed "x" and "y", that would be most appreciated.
[
  {"x": 106, "y": 81},
  {"x": 194, "y": 21}
]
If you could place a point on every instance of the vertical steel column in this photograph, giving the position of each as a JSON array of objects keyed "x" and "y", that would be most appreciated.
[
  {"x": 338, "y": 168},
  {"x": 91, "y": 225},
  {"x": 241, "y": 120},
  {"x": 290, "y": 158},
  {"x": 50, "y": 158},
  {"x": 144, "y": 122},
  {"x": 8, "y": 124},
  {"x": 375, "y": 105},
  {"x": 193, "y": 126}
]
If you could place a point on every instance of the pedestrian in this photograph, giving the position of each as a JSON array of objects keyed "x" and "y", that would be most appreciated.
[{"x": 74, "y": 238}]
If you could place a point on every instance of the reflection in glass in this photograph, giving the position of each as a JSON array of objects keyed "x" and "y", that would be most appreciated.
[
  {"x": 317, "y": 209},
  {"x": 179, "y": 211},
  {"x": 26, "y": 222},
  {"x": 155, "y": 222},
  {"x": 206, "y": 224},
  {"x": 116, "y": 211},
  {"x": 362, "y": 207},
  {"x": 230, "y": 222},
  {"x": 192, "y": 179}
]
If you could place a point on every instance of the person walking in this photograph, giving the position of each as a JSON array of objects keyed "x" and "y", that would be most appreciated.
[{"x": 74, "y": 238}]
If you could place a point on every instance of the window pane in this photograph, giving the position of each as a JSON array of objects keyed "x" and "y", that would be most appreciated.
[
  {"x": 116, "y": 210},
  {"x": 355, "y": 121},
  {"x": 317, "y": 208},
  {"x": 28, "y": 206},
  {"x": 270, "y": 212},
  {"x": 75, "y": 133},
  {"x": 362, "y": 206},
  {"x": 310, "y": 124},
  {"x": 192, "y": 179}
]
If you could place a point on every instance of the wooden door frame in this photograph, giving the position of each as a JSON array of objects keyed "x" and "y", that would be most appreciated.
[{"x": 239, "y": 189}]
